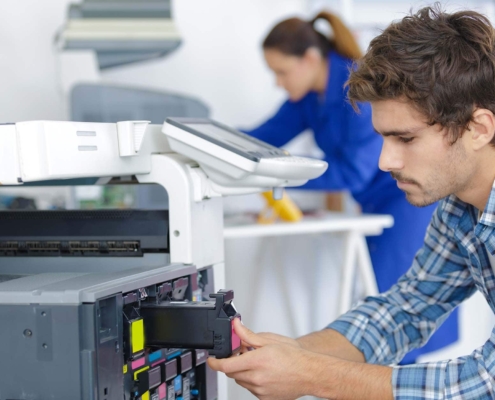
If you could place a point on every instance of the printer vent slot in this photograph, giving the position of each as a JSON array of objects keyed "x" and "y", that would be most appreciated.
[
  {"x": 66, "y": 215},
  {"x": 115, "y": 248}
]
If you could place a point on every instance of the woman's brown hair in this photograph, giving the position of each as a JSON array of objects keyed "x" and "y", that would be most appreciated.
[
  {"x": 443, "y": 64},
  {"x": 294, "y": 36}
]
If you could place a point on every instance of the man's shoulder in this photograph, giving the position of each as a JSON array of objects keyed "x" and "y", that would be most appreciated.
[{"x": 450, "y": 211}]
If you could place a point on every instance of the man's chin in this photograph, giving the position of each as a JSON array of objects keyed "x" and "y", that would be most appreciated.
[{"x": 418, "y": 201}]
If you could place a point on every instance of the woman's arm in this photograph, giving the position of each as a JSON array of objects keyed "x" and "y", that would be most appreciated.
[{"x": 286, "y": 124}]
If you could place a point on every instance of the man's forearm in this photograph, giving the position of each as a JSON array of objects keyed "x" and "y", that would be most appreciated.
[
  {"x": 279, "y": 368},
  {"x": 346, "y": 380},
  {"x": 332, "y": 343}
]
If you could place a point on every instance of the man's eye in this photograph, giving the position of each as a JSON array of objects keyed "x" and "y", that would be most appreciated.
[{"x": 405, "y": 139}]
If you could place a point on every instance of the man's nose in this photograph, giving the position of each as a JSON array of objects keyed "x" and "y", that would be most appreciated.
[{"x": 390, "y": 158}]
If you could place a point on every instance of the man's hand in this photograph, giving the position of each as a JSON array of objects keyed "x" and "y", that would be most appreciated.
[
  {"x": 331, "y": 343},
  {"x": 255, "y": 340},
  {"x": 280, "y": 368},
  {"x": 275, "y": 370},
  {"x": 251, "y": 340}
]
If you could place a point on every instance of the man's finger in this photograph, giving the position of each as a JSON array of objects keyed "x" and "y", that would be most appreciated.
[
  {"x": 231, "y": 365},
  {"x": 245, "y": 347},
  {"x": 273, "y": 337},
  {"x": 250, "y": 338}
]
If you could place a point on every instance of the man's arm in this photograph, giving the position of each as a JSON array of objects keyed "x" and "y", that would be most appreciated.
[
  {"x": 280, "y": 369},
  {"x": 385, "y": 327},
  {"x": 326, "y": 341},
  {"x": 332, "y": 343}
]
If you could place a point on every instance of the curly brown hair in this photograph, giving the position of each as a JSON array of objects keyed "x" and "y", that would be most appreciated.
[{"x": 444, "y": 64}]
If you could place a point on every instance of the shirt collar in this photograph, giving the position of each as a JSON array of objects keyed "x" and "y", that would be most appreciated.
[
  {"x": 488, "y": 217},
  {"x": 453, "y": 209}
]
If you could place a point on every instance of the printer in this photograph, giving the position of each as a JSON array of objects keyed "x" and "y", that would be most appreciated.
[{"x": 125, "y": 304}]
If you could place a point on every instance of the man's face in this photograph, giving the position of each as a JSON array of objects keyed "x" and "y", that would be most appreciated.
[{"x": 420, "y": 157}]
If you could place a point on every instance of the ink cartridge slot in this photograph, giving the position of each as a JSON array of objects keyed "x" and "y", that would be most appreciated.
[{"x": 195, "y": 324}]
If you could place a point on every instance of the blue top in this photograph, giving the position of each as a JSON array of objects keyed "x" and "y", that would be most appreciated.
[
  {"x": 352, "y": 149},
  {"x": 348, "y": 139}
]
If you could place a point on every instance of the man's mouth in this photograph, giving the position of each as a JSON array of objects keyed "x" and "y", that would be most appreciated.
[
  {"x": 401, "y": 181},
  {"x": 404, "y": 183}
]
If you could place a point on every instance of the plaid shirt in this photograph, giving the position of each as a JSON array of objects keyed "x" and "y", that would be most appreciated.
[{"x": 450, "y": 266}]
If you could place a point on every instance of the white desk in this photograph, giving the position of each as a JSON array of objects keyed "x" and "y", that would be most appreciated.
[
  {"x": 366, "y": 224},
  {"x": 355, "y": 259},
  {"x": 284, "y": 277}
]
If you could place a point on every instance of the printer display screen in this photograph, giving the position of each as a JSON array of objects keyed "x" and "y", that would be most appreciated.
[{"x": 225, "y": 136}]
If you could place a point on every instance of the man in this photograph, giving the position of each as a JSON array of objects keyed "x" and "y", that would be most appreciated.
[{"x": 430, "y": 79}]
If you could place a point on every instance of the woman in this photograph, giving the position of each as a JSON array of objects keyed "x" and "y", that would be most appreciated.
[{"x": 313, "y": 70}]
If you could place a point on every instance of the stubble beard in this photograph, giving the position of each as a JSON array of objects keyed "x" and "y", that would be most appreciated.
[
  {"x": 437, "y": 187},
  {"x": 424, "y": 202}
]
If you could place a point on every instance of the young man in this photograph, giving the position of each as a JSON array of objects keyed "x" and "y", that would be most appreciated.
[{"x": 430, "y": 79}]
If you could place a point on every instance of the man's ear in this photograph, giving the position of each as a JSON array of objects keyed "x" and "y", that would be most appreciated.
[{"x": 482, "y": 128}]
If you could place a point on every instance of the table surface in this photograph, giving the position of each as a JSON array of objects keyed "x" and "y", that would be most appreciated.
[{"x": 367, "y": 224}]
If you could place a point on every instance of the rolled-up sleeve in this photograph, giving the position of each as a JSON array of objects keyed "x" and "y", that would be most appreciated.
[{"x": 469, "y": 377}]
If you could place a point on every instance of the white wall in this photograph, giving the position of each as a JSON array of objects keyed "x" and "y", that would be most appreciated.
[
  {"x": 28, "y": 75},
  {"x": 368, "y": 18},
  {"x": 220, "y": 60}
]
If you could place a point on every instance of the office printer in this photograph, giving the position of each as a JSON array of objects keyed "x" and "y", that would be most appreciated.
[{"x": 125, "y": 304}]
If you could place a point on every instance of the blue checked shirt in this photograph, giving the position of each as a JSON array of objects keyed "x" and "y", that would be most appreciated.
[{"x": 450, "y": 266}]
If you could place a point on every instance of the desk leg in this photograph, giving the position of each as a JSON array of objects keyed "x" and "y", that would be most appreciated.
[
  {"x": 348, "y": 271},
  {"x": 254, "y": 284},
  {"x": 356, "y": 254},
  {"x": 284, "y": 285},
  {"x": 366, "y": 268},
  {"x": 321, "y": 309}
]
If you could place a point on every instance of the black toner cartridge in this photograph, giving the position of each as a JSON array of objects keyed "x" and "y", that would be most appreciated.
[{"x": 204, "y": 325}]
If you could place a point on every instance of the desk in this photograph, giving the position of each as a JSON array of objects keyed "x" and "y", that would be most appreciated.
[
  {"x": 355, "y": 259},
  {"x": 283, "y": 274}
]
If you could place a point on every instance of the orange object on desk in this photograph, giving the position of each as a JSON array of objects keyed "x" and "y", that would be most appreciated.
[{"x": 285, "y": 209}]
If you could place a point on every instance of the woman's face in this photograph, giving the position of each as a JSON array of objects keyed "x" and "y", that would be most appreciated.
[{"x": 297, "y": 75}]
